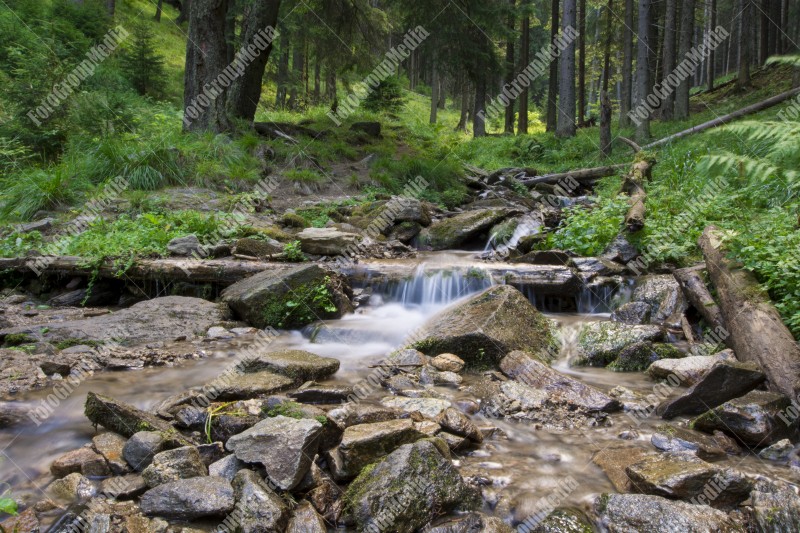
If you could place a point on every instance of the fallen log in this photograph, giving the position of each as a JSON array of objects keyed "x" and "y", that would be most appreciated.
[
  {"x": 756, "y": 330},
  {"x": 581, "y": 175},
  {"x": 720, "y": 121},
  {"x": 696, "y": 292},
  {"x": 126, "y": 419},
  {"x": 634, "y": 187}
]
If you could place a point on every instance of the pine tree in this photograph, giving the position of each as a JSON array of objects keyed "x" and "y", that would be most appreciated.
[{"x": 142, "y": 64}]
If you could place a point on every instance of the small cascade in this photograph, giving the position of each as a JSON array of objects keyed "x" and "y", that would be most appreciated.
[
  {"x": 528, "y": 225},
  {"x": 435, "y": 288},
  {"x": 603, "y": 298}
]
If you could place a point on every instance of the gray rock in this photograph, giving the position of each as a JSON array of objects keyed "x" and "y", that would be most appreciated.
[
  {"x": 430, "y": 407},
  {"x": 364, "y": 444},
  {"x": 545, "y": 257},
  {"x": 261, "y": 299},
  {"x": 456, "y": 422},
  {"x": 524, "y": 368},
  {"x": 417, "y": 475},
  {"x": 189, "y": 499},
  {"x": 110, "y": 446},
  {"x": 140, "y": 449},
  {"x": 72, "y": 487},
  {"x": 351, "y": 414},
  {"x": 688, "y": 370},
  {"x": 123, "y": 487},
  {"x": 258, "y": 508},
  {"x": 261, "y": 248},
  {"x": 470, "y": 523},
  {"x": 83, "y": 460},
  {"x": 756, "y": 419},
  {"x": 726, "y": 380},
  {"x": 599, "y": 343},
  {"x": 235, "y": 386},
  {"x": 780, "y": 451},
  {"x": 620, "y": 250},
  {"x": 685, "y": 477},
  {"x": 299, "y": 365},
  {"x": 597, "y": 266},
  {"x": 451, "y": 232},
  {"x": 563, "y": 520},
  {"x": 171, "y": 465},
  {"x": 183, "y": 246},
  {"x": 43, "y": 224},
  {"x": 669, "y": 438},
  {"x": 323, "y": 394},
  {"x": 328, "y": 241},
  {"x": 775, "y": 507},
  {"x": 284, "y": 446},
  {"x": 227, "y": 467},
  {"x": 486, "y": 327},
  {"x": 448, "y": 362},
  {"x": 630, "y": 513},
  {"x": 664, "y": 296},
  {"x": 306, "y": 520},
  {"x": 633, "y": 313}
]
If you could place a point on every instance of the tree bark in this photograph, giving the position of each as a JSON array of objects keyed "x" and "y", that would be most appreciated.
[
  {"x": 634, "y": 187},
  {"x": 283, "y": 71},
  {"x": 643, "y": 68},
  {"x": 607, "y": 52},
  {"x": 552, "y": 84},
  {"x": 478, "y": 122},
  {"x": 465, "y": 96},
  {"x": 434, "y": 95},
  {"x": 684, "y": 45},
  {"x": 668, "y": 55},
  {"x": 205, "y": 58},
  {"x": 524, "y": 52},
  {"x": 756, "y": 330},
  {"x": 159, "y": 7},
  {"x": 509, "y": 115},
  {"x": 186, "y": 8},
  {"x": 111, "y": 7},
  {"x": 696, "y": 292},
  {"x": 745, "y": 40},
  {"x": 582, "y": 62},
  {"x": 605, "y": 123},
  {"x": 566, "y": 77},
  {"x": 710, "y": 61},
  {"x": 627, "y": 66},
  {"x": 763, "y": 36}
]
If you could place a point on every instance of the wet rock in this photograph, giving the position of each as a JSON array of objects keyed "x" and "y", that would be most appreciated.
[
  {"x": 14, "y": 414},
  {"x": 299, "y": 365},
  {"x": 597, "y": 266},
  {"x": 775, "y": 507},
  {"x": 327, "y": 499},
  {"x": 401, "y": 382},
  {"x": 523, "y": 367},
  {"x": 258, "y": 508},
  {"x": 140, "y": 449},
  {"x": 184, "y": 246},
  {"x": 152, "y": 320},
  {"x": 780, "y": 451},
  {"x": 328, "y": 241},
  {"x": 366, "y": 443},
  {"x": 545, "y": 257},
  {"x": 261, "y": 248},
  {"x": 448, "y": 379},
  {"x": 321, "y": 394},
  {"x": 110, "y": 446},
  {"x": 189, "y": 499},
  {"x": 726, "y": 380},
  {"x": 430, "y": 407},
  {"x": 560, "y": 521},
  {"x": 123, "y": 487},
  {"x": 486, "y": 327},
  {"x": 224, "y": 426},
  {"x": 218, "y": 332},
  {"x": 419, "y": 478},
  {"x": 640, "y": 355},
  {"x": 405, "y": 231},
  {"x": 107, "y": 516},
  {"x": 227, "y": 467},
  {"x": 633, "y": 313},
  {"x": 664, "y": 296},
  {"x": 448, "y": 362},
  {"x": 306, "y": 520},
  {"x": 620, "y": 250},
  {"x": 356, "y": 413},
  {"x": 72, "y": 487},
  {"x": 262, "y": 299},
  {"x": 599, "y": 343},
  {"x": 640, "y": 512},
  {"x": 689, "y": 370},
  {"x": 451, "y": 232},
  {"x": 284, "y": 446},
  {"x": 472, "y": 522},
  {"x": 685, "y": 477},
  {"x": 235, "y": 386},
  {"x": 83, "y": 460},
  {"x": 171, "y": 465},
  {"x": 614, "y": 462},
  {"x": 25, "y": 521},
  {"x": 669, "y": 438},
  {"x": 756, "y": 419}
]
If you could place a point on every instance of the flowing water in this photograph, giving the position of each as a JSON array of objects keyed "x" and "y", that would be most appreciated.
[{"x": 521, "y": 468}]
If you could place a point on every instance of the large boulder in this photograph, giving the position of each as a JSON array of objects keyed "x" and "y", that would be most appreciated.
[
  {"x": 288, "y": 298},
  {"x": 600, "y": 343},
  {"x": 126, "y": 419},
  {"x": 298, "y": 365},
  {"x": 664, "y": 296},
  {"x": 284, "y": 446},
  {"x": 258, "y": 508},
  {"x": 451, "y": 232},
  {"x": 757, "y": 419},
  {"x": 408, "y": 488},
  {"x": 628, "y": 513},
  {"x": 486, "y": 327},
  {"x": 189, "y": 499},
  {"x": 726, "y": 380},
  {"x": 522, "y": 367},
  {"x": 688, "y": 370},
  {"x": 328, "y": 241},
  {"x": 669, "y": 438}
]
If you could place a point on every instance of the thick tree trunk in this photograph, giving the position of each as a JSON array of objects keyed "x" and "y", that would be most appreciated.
[
  {"x": 668, "y": 55},
  {"x": 509, "y": 116},
  {"x": 684, "y": 45},
  {"x": 478, "y": 122},
  {"x": 245, "y": 91},
  {"x": 643, "y": 68},
  {"x": 712, "y": 24},
  {"x": 524, "y": 52},
  {"x": 582, "y": 62},
  {"x": 186, "y": 9},
  {"x": 696, "y": 292},
  {"x": 206, "y": 58},
  {"x": 464, "y": 117},
  {"x": 607, "y": 52},
  {"x": 745, "y": 40},
  {"x": 552, "y": 83},
  {"x": 756, "y": 330},
  {"x": 566, "y": 77},
  {"x": 627, "y": 66},
  {"x": 159, "y": 7},
  {"x": 763, "y": 36}
]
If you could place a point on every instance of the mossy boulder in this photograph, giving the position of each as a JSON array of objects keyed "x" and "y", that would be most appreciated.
[
  {"x": 289, "y": 297},
  {"x": 453, "y": 231},
  {"x": 487, "y": 326},
  {"x": 639, "y": 356},
  {"x": 600, "y": 343},
  {"x": 641, "y": 512}
]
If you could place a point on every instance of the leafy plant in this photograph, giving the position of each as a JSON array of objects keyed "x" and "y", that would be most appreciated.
[{"x": 293, "y": 252}]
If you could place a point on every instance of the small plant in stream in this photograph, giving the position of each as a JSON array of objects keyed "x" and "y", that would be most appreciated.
[{"x": 293, "y": 252}]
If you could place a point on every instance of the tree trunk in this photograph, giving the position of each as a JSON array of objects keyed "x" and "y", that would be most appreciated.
[
  {"x": 159, "y": 6},
  {"x": 186, "y": 8},
  {"x": 478, "y": 123},
  {"x": 510, "y": 64},
  {"x": 552, "y": 83},
  {"x": 245, "y": 91},
  {"x": 582, "y": 62},
  {"x": 745, "y": 40},
  {"x": 643, "y": 68},
  {"x": 763, "y": 37},
  {"x": 634, "y": 187},
  {"x": 297, "y": 73},
  {"x": 684, "y": 45},
  {"x": 283, "y": 71},
  {"x": 785, "y": 40},
  {"x": 712, "y": 24},
  {"x": 111, "y": 7},
  {"x": 524, "y": 52},
  {"x": 462, "y": 120},
  {"x": 205, "y": 59},
  {"x": 607, "y": 51},
  {"x": 317, "y": 80},
  {"x": 605, "y": 123},
  {"x": 696, "y": 292},
  {"x": 627, "y": 66},
  {"x": 668, "y": 56},
  {"x": 434, "y": 95},
  {"x": 756, "y": 330},
  {"x": 566, "y": 77}
]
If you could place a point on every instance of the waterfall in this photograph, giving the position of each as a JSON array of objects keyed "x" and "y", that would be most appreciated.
[
  {"x": 438, "y": 287},
  {"x": 528, "y": 225}
]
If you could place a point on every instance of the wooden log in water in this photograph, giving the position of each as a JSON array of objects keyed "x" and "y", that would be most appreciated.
[
  {"x": 694, "y": 288},
  {"x": 634, "y": 186}
]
